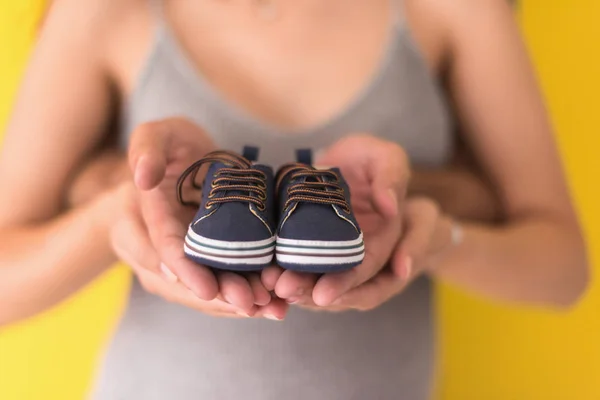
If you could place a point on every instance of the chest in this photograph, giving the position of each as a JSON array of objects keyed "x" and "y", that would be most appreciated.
[
  {"x": 295, "y": 70},
  {"x": 295, "y": 67},
  {"x": 303, "y": 79}
]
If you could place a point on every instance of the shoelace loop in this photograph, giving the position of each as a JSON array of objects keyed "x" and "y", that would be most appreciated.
[
  {"x": 323, "y": 189},
  {"x": 239, "y": 176}
]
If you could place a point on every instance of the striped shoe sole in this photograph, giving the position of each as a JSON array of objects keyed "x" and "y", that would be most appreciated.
[
  {"x": 234, "y": 256},
  {"x": 319, "y": 256}
]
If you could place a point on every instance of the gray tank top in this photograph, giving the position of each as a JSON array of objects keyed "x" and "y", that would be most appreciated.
[{"x": 163, "y": 351}]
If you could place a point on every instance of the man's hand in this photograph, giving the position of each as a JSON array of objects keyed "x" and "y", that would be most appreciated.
[
  {"x": 428, "y": 235},
  {"x": 104, "y": 172}
]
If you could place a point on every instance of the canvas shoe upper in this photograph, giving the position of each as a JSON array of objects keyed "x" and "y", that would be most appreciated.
[
  {"x": 317, "y": 230},
  {"x": 234, "y": 227}
]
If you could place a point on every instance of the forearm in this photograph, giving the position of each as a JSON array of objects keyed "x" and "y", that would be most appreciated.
[
  {"x": 539, "y": 260},
  {"x": 42, "y": 265},
  {"x": 459, "y": 191}
]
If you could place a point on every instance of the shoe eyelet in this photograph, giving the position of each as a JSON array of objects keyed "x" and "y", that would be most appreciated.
[
  {"x": 261, "y": 207},
  {"x": 208, "y": 205},
  {"x": 211, "y": 194}
]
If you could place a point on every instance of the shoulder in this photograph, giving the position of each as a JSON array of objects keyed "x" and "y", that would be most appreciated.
[
  {"x": 462, "y": 14},
  {"x": 458, "y": 7},
  {"x": 112, "y": 33},
  {"x": 94, "y": 22},
  {"x": 445, "y": 25}
]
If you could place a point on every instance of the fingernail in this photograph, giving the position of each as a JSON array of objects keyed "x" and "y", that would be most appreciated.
[
  {"x": 407, "y": 271},
  {"x": 293, "y": 300},
  {"x": 242, "y": 314},
  {"x": 137, "y": 172},
  {"x": 252, "y": 312},
  {"x": 168, "y": 274},
  {"x": 272, "y": 317}
]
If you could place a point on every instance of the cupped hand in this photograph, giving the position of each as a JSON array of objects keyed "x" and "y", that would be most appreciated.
[
  {"x": 377, "y": 173},
  {"x": 159, "y": 152},
  {"x": 131, "y": 243},
  {"x": 428, "y": 236}
]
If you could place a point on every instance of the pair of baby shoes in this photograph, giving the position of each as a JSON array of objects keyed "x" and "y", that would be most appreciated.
[{"x": 249, "y": 217}]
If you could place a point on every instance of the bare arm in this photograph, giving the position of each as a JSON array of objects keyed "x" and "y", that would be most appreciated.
[
  {"x": 460, "y": 189},
  {"x": 45, "y": 253},
  {"x": 538, "y": 255}
]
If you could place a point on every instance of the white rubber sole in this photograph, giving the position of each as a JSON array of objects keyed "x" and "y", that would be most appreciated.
[
  {"x": 249, "y": 253},
  {"x": 315, "y": 252}
]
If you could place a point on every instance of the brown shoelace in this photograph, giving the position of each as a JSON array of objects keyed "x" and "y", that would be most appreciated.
[
  {"x": 318, "y": 190},
  {"x": 239, "y": 176}
]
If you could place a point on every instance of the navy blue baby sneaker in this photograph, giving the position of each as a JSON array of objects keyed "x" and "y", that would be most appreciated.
[
  {"x": 234, "y": 228},
  {"x": 317, "y": 230}
]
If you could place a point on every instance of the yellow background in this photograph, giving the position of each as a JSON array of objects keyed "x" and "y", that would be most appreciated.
[{"x": 487, "y": 351}]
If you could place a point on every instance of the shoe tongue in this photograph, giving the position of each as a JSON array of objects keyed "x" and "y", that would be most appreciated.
[
  {"x": 250, "y": 153},
  {"x": 304, "y": 156}
]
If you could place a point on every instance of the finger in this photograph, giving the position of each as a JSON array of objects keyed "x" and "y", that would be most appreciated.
[
  {"x": 421, "y": 217},
  {"x": 276, "y": 310},
  {"x": 270, "y": 276},
  {"x": 295, "y": 286},
  {"x": 236, "y": 290},
  {"x": 378, "y": 250},
  {"x": 167, "y": 233},
  {"x": 177, "y": 293},
  {"x": 373, "y": 293},
  {"x": 131, "y": 242},
  {"x": 198, "y": 278},
  {"x": 159, "y": 147},
  {"x": 148, "y": 152},
  {"x": 385, "y": 163},
  {"x": 262, "y": 297}
]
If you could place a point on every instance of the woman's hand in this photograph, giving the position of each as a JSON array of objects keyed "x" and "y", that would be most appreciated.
[
  {"x": 377, "y": 173},
  {"x": 132, "y": 244},
  {"x": 110, "y": 172},
  {"x": 158, "y": 153}
]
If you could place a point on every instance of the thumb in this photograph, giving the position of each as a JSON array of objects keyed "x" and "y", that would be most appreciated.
[
  {"x": 420, "y": 222},
  {"x": 148, "y": 154},
  {"x": 385, "y": 164}
]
